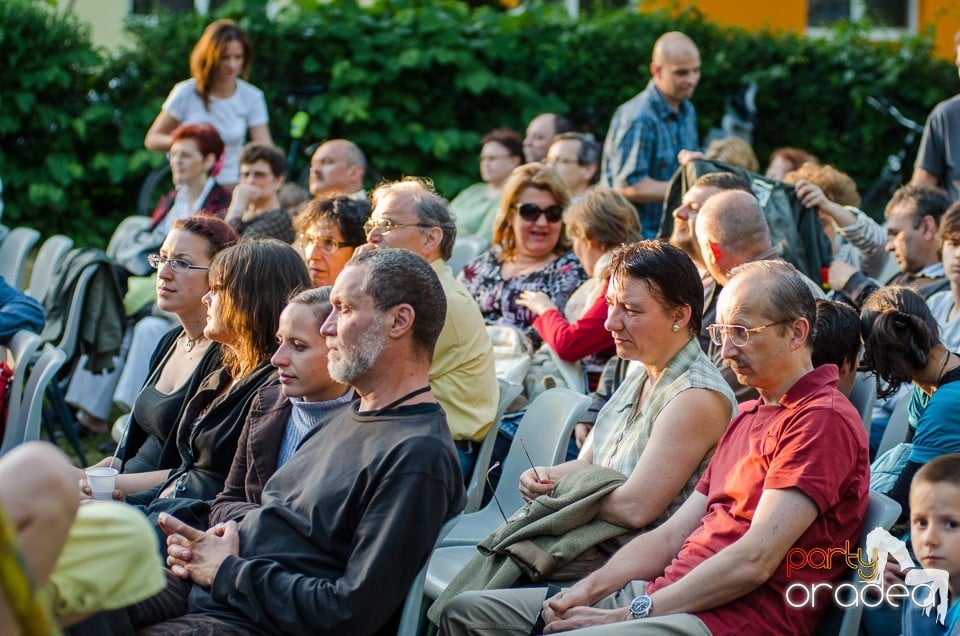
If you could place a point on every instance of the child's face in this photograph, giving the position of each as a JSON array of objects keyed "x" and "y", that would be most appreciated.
[{"x": 935, "y": 527}]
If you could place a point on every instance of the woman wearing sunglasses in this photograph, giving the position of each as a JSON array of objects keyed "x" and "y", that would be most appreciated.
[{"x": 530, "y": 251}]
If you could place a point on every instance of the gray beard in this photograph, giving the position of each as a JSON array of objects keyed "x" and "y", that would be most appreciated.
[{"x": 357, "y": 357}]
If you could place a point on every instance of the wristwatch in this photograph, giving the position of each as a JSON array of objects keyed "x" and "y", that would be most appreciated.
[{"x": 641, "y": 606}]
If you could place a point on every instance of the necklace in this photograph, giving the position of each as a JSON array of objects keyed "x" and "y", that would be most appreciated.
[
  {"x": 946, "y": 358},
  {"x": 190, "y": 342}
]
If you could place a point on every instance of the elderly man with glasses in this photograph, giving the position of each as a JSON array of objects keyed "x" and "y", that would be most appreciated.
[
  {"x": 409, "y": 215},
  {"x": 789, "y": 477}
]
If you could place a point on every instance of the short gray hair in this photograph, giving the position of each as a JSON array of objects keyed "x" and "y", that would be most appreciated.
[{"x": 431, "y": 208}]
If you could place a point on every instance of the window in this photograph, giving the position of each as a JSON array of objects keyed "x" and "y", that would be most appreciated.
[{"x": 900, "y": 15}]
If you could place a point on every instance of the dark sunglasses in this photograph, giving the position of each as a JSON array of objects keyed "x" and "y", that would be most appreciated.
[{"x": 532, "y": 212}]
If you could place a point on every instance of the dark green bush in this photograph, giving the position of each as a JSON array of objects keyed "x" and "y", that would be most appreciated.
[{"x": 416, "y": 84}]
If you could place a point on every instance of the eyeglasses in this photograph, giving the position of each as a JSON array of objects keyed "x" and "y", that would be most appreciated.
[
  {"x": 532, "y": 211},
  {"x": 493, "y": 491},
  {"x": 738, "y": 334},
  {"x": 326, "y": 244},
  {"x": 386, "y": 225},
  {"x": 178, "y": 266}
]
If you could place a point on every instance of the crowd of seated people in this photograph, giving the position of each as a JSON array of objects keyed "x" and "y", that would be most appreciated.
[{"x": 329, "y": 380}]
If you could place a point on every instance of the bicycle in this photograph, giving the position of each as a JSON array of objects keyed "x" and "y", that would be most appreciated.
[
  {"x": 892, "y": 175},
  {"x": 157, "y": 181}
]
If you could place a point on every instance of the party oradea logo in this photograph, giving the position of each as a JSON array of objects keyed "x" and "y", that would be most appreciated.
[{"x": 924, "y": 587}]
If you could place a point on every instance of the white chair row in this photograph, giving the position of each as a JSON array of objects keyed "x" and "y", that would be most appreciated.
[{"x": 30, "y": 382}]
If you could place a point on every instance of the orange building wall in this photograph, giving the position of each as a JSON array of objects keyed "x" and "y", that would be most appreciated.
[{"x": 791, "y": 15}]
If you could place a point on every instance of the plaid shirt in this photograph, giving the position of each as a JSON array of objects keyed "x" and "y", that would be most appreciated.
[{"x": 644, "y": 138}]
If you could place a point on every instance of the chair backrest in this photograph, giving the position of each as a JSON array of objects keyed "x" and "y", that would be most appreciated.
[
  {"x": 465, "y": 248},
  {"x": 896, "y": 431},
  {"x": 43, "y": 373},
  {"x": 48, "y": 257},
  {"x": 125, "y": 228},
  {"x": 412, "y": 607},
  {"x": 508, "y": 393},
  {"x": 863, "y": 396},
  {"x": 512, "y": 352},
  {"x": 13, "y": 254},
  {"x": 882, "y": 512},
  {"x": 20, "y": 350},
  {"x": 545, "y": 429}
]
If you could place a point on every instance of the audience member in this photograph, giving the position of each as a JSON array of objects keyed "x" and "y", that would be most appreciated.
[
  {"x": 475, "y": 207},
  {"x": 938, "y": 160},
  {"x": 338, "y": 167},
  {"x": 255, "y": 209},
  {"x": 855, "y": 238},
  {"x": 540, "y": 133},
  {"x": 195, "y": 151},
  {"x": 836, "y": 340},
  {"x": 249, "y": 284},
  {"x": 530, "y": 250},
  {"x": 734, "y": 151},
  {"x": 598, "y": 223},
  {"x": 945, "y": 305},
  {"x": 328, "y": 230},
  {"x": 18, "y": 312},
  {"x": 283, "y": 414},
  {"x": 216, "y": 94},
  {"x": 183, "y": 356},
  {"x": 648, "y": 132},
  {"x": 901, "y": 345},
  {"x": 360, "y": 502},
  {"x": 787, "y": 159},
  {"x": 790, "y": 473},
  {"x": 408, "y": 214},
  {"x": 576, "y": 158},
  {"x": 913, "y": 217}
]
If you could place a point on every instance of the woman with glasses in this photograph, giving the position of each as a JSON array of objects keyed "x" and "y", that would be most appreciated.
[
  {"x": 183, "y": 356},
  {"x": 328, "y": 230},
  {"x": 475, "y": 207},
  {"x": 901, "y": 344},
  {"x": 249, "y": 284},
  {"x": 530, "y": 251},
  {"x": 661, "y": 426}
]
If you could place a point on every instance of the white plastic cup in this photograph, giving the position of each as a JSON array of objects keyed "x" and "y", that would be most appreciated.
[{"x": 102, "y": 481}]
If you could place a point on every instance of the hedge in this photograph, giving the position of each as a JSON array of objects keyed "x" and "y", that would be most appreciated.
[{"x": 416, "y": 85}]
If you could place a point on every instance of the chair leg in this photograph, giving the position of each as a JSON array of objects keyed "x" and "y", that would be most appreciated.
[{"x": 61, "y": 413}]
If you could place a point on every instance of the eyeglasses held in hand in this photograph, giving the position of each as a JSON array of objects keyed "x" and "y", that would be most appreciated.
[
  {"x": 325, "y": 244},
  {"x": 737, "y": 334},
  {"x": 179, "y": 266},
  {"x": 386, "y": 225},
  {"x": 527, "y": 453},
  {"x": 493, "y": 467},
  {"x": 531, "y": 212}
]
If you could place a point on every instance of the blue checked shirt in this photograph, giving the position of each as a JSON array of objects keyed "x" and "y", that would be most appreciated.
[{"x": 644, "y": 138}]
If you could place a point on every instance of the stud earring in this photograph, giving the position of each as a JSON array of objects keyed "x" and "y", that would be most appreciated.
[{"x": 675, "y": 327}]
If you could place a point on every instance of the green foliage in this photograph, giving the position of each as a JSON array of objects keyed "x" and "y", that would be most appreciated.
[{"x": 416, "y": 84}]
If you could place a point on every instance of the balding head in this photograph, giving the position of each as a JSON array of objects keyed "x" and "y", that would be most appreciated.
[
  {"x": 731, "y": 230},
  {"x": 337, "y": 167},
  {"x": 675, "y": 67}
]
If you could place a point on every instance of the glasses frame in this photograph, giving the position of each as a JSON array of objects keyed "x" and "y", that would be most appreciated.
[
  {"x": 177, "y": 265},
  {"x": 553, "y": 213},
  {"x": 716, "y": 331},
  {"x": 319, "y": 241},
  {"x": 370, "y": 225}
]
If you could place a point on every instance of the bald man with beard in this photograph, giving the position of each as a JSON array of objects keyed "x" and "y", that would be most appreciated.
[{"x": 648, "y": 132}]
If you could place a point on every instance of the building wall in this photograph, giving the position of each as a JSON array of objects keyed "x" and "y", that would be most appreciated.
[
  {"x": 105, "y": 18},
  {"x": 791, "y": 15}
]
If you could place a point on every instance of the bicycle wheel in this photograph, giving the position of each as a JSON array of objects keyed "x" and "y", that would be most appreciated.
[{"x": 154, "y": 186}]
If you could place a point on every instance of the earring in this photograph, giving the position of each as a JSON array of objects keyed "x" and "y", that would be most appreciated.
[{"x": 675, "y": 327}]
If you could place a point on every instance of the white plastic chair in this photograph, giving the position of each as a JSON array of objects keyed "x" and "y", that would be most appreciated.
[
  {"x": 508, "y": 393},
  {"x": 44, "y": 372},
  {"x": 413, "y": 606},
  {"x": 126, "y": 227},
  {"x": 48, "y": 257},
  {"x": 545, "y": 429},
  {"x": 465, "y": 248},
  {"x": 863, "y": 396},
  {"x": 897, "y": 425},
  {"x": 882, "y": 512},
  {"x": 13, "y": 254},
  {"x": 512, "y": 352},
  {"x": 20, "y": 350}
]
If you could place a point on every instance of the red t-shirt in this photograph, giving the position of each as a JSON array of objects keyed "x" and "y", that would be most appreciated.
[{"x": 812, "y": 440}]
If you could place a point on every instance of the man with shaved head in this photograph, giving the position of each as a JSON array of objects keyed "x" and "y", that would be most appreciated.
[
  {"x": 337, "y": 167},
  {"x": 647, "y": 133}
]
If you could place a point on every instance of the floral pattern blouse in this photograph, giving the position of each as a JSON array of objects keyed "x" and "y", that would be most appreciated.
[{"x": 497, "y": 297}]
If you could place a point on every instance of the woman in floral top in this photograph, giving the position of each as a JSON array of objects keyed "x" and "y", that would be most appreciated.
[{"x": 530, "y": 251}]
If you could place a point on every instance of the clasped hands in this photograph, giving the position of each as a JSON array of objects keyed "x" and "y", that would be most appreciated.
[
  {"x": 196, "y": 555},
  {"x": 571, "y": 609}
]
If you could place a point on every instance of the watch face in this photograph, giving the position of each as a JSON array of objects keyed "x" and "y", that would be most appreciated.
[{"x": 640, "y": 606}]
